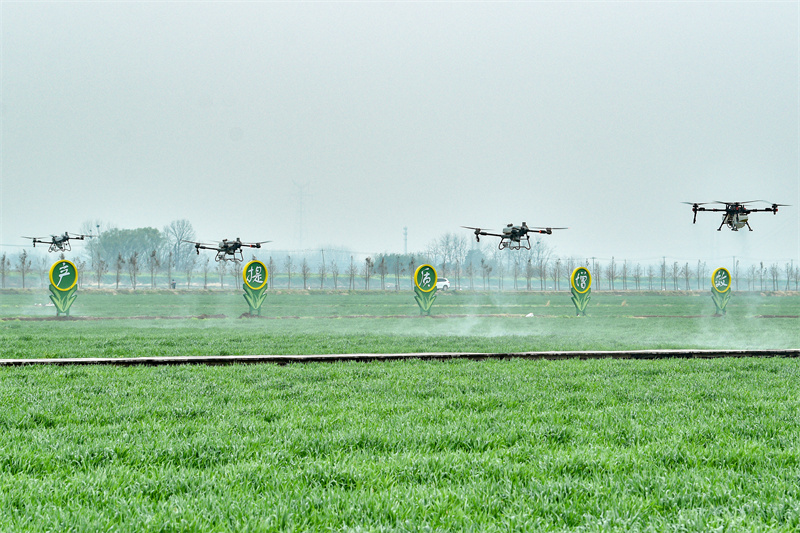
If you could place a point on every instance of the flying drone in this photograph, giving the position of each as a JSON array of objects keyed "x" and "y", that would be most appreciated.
[
  {"x": 227, "y": 248},
  {"x": 735, "y": 216},
  {"x": 513, "y": 237},
  {"x": 59, "y": 243}
]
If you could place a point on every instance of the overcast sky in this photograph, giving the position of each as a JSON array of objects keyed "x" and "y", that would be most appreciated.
[{"x": 323, "y": 123}]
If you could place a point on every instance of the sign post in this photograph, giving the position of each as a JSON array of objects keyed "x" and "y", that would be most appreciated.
[
  {"x": 63, "y": 285},
  {"x": 581, "y": 281},
  {"x": 254, "y": 275},
  {"x": 425, "y": 288},
  {"x": 720, "y": 290}
]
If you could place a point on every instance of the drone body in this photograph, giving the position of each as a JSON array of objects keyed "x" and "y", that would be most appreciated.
[
  {"x": 513, "y": 237},
  {"x": 735, "y": 213},
  {"x": 59, "y": 243},
  {"x": 227, "y": 250}
]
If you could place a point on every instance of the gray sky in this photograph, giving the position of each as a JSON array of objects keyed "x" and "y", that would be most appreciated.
[{"x": 600, "y": 116}]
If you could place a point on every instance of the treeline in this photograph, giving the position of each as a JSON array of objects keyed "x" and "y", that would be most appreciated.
[{"x": 151, "y": 258}]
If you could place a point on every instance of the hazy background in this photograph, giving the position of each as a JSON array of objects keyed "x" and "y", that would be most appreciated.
[{"x": 319, "y": 124}]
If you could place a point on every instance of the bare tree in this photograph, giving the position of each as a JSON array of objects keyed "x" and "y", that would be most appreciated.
[
  {"x": 222, "y": 268},
  {"x": 152, "y": 264},
  {"x": 555, "y": 272},
  {"x": 789, "y": 269},
  {"x": 500, "y": 269},
  {"x": 597, "y": 273},
  {"x": 751, "y": 278},
  {"x": 44, "y": 270},
  {"x": 611, "y": 272},
  {"x": 701, "y": 267},
  {"x": 367, "y": 271},
  {"x": 23, "y": 265},
  {"x": 530, "y": 271},
  {"x": 486, "y": 272},
  {"x": 774, "y": 274},
  {"x": 206, "y": 269},
  {"x": 637, "y": 276},
  {"x": 541, "y": 271},
  {"x": 4, "y": 265},
  {"x": 176, "y": 234},
  {"x": 100, "y": 268},
  {"x": 651, "y": 273},
  {"x": 686, "y": 274},
  {"x": 133, "y": 268},
  {"x": 169, "y": 263},
  {"x": 382, "y": 270},
  {"x": 675, "y": 274},
  {"x": 237, "y": 274},
  {"x": 119, "y": 264},
  {"x": 322, "y": 271},
  {"x": 516, "y": 269},
  {"x": 80, "y": 265},
  {"x": 188, "y": 268},
  {"x": 335, "y": 275},
  {"x": 305, "y": 270},
  {"x": 272, "y": 266},
  {"x": 411, "y": 265},
  {"x": 352, "y": 270},
  {"x": 625, "y": 275},
  {"x": 569, "y": 266},
  {"x": 287, "y": 263}
]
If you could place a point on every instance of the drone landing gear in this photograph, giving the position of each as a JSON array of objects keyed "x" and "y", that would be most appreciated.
[
  {"x": 748, "y": 225},
  {"x": 515, "y": 245}
]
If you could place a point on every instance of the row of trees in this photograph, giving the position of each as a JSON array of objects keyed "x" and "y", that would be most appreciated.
[{"x": 123, "y": 258}]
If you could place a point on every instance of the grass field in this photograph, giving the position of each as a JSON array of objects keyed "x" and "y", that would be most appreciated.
[
  {"x": 681, "y": 445},
  {"x": 512, "y": 445},
  {"x": 322, "y": 323}
]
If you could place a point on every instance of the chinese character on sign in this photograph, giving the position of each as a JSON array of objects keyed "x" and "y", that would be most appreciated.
[
  {"x": 63, "y": 270},
  {"x": 721, "y": 280},
  {"x": 254, "y": 275},
  {"x": 426, "y": 278}
]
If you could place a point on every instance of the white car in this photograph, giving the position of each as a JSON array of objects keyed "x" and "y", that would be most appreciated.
[{"x": 442, "y": 284}]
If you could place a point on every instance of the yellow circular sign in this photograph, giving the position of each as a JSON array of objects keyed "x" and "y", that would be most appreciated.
[
  {"x": 255, "y": 275},
  {"x": 425, "y": 278},
  {"x": 581, "y": 280},
  {"x": 721, "y": 280},
  {"x": 66, "y": 275}
]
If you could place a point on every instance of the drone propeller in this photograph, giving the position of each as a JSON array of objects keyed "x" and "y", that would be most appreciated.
[
  {"x": 478, "y": 232},
  {"x": 739, "y": 203}
]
